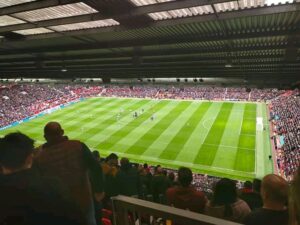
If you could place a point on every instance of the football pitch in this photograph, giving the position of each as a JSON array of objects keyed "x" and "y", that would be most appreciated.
[{"x": 225, "y": 139}]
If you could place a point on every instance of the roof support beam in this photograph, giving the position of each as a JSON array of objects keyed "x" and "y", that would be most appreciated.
[
  {"x": 146, "y": 56},
  {"x": 150, "y": 42},
  {"x": 166, "y": 6},
  {"x": 266, "y": 10},
  {"x": 34, "y": 5},
  {"x": 53, "y": 22}
]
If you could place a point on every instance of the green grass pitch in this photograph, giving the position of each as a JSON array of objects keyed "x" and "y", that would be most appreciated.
[{"x": 215, "y": 138}]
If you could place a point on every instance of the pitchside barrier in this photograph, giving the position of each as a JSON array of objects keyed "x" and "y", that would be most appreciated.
[{"x": 133, "y": 211}]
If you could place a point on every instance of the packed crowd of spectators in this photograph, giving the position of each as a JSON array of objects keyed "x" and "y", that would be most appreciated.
[
  {"x": 39, "y": 186},
  {"x": 285, "y": 117},
  {"x": 21, "y": 101},
  {"x": 192, "y": 92}
]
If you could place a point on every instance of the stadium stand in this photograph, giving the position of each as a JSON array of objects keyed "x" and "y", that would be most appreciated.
[
  {"x": 121, "y": 76},
  {"x": 285, "y": 116}
]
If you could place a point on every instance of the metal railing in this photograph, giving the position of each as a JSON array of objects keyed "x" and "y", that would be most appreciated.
[{"x": 132, "y": 211}]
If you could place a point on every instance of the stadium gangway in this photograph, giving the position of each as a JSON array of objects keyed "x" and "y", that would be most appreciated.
[{"x": 133, "y": 211}]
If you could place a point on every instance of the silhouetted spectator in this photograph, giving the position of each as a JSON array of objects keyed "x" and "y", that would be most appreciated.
[
  {"x": 294, "y": 199},
  {"x": 274, "y": 193},
  {"x": 72, "y": 162},
  {"x": 159, "y": 185},
  {"x": 225, "y": 204},
  {"x": 184, "y": 196},
  {"x": 110, "y": 169},
  {"x": 252, "y": 195},
  {"x": 171, "y": 176},
  {"x": 98, "y": 205},
  {"x": 128, "y": 179},
  {"x": 26, "y": 196}
]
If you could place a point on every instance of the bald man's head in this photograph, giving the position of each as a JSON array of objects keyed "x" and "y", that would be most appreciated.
[
  {"x": 274, "y": 189},
  {"x": 53, "y": 131}
]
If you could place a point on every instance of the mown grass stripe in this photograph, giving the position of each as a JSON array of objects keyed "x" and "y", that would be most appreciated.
[
  {"x": 132, "y": 139},
  {"x": 93, "y": 125},
  {"x": 189, "y": 151},
  {"x": 109, "y": 142},
  {"x": 94, "y": 109},
  {"x": 83, "y": 119},
  {"x": 125, "y": 120},
  {"x": 103, "y": 116},
  {"x": 110, "y": 124},
  {"x": 181, "y": 137},
  {"x": 74, "y": 117},
  {"x": 225, "y": 156},
  {"x": 80, "y": 107},
  {"x": 206, "y": 154},
  {"x": 245, "y": 159},
  {"x": 147, "y": 139}
]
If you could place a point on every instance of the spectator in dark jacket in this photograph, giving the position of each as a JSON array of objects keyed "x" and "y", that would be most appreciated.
[
  {"x": 251, "y": 194},
  {"x": 128, "y": 179},
  {"x": 110, "y": 170},
  {"x": 294, "y": 200},
  {"x": 26, "y": 196},
  {"x": 159, "y": 185}
]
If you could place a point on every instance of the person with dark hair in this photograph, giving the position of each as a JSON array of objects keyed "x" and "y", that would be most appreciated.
[
  {"x": 171, "y": 176},
  {"x": 184, "y": 196},
  {"x": 256, "y": 185},
  {"x": 145, "y": 177},
  {"x": 110, "y": 169},
  {"x": 294, "y": 200},
  {"x": 251, "y": 194},
  {"x": 274, "y": 191},
  {"x": 225, "y": 204},
  {"x": 26, "y": 196},
  {"x": 96, "y": 155},
  {"x": 63, "y": 158},
  {"x": 98, "y": 205},
  {"x": 247, "y": 187},
  {"x": 159, "y": 185},
  {"x": 128, "y": 179}
]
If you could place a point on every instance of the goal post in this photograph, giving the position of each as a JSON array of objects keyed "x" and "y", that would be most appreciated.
[{"x": 259, "y": 124}]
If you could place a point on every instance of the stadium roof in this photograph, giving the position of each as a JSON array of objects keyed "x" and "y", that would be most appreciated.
[{"x": 150, "y": 38}]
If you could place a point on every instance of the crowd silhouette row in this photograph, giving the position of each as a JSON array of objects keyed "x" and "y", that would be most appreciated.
[{"x": 63, "y": 182}]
